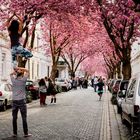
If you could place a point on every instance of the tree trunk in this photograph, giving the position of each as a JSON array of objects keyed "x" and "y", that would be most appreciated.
[
  {"x": 111, "y": 75},
  {"x": 126, "y": 69},
  {"x": 71, "y": 73},
  {"x": 119, "y": 76},
  {"x": 114, "y": 74},
  {"x": 53, "y": 72}
]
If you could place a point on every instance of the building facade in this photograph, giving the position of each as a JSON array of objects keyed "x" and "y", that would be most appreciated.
[{"x": 135, "y": 57}]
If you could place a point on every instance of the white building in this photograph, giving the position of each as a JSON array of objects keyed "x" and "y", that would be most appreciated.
[
  {"x": 39, "y": 65},
  {"x": 5, "y": 59},
  {"x": 135, "y": 57}
]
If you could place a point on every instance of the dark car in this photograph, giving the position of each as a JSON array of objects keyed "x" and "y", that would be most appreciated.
[
  {"x": 33, "y": 89},
  {"x": 121, "y": 94},
  {"x": 115, "y": 87}
]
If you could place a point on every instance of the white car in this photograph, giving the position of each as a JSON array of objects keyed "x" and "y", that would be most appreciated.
[
  {"x": 63, "y": 83},
  {"x": 5, "y": 95},
  {"x": 131, "y": 104}
]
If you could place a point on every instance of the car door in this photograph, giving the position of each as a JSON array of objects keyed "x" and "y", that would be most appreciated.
[
  {"x": 8, "y": 89},
  {"x": 129, "y": 100},
  {"x": 10, "y": 93}
]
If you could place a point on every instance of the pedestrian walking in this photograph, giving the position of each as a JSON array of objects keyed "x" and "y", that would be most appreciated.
[
  {"x": 15, "y": 32},
  {"x": 100, "y": 86},
  {"x": 85, "y": 83},
  {"x": 95, "y": 83},
  {"x": 52, "y": 90},
  {"x": 92, "y": 82},
  {"x": 18, "y": 79},
  {"x": 74, "y": 83},
  {"x": 80, "y": 82},
  {"x": 42, "y": 92}
]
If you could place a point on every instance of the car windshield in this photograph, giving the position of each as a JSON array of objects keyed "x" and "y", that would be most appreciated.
[
  {"x": 124, "y": 86},
  {"x": 29, "y": 83}
]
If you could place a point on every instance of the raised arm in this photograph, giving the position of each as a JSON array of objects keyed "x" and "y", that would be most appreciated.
[
  {"x": 20, "y": 23},
  {"x": 9, "y": 20}
]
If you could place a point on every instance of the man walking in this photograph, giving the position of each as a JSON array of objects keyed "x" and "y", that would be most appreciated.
[
  {"x": 95, "y": 83},
  {"x": 19, "y": 78}
]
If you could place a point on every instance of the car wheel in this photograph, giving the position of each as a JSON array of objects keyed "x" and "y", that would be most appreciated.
[
  {"x": 132, "y": 127},
  {"x": 119, "y": 110},
  {"x": 4, "y": 106}
]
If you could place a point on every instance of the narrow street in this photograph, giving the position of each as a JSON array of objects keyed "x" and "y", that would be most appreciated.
[{"x": 77, "y": 115}]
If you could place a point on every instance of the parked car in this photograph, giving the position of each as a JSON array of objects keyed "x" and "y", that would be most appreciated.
[
  {"x": 121, "y": 94},
  {"x": 33, "y": 88},
  {"x": 114, "y": 90},
  {"x": 5, "y": 95},
  {"x": 28, "y": 97},
  {"x": 115, "y": 86},
  {"x": 131, "y": 103},
  {"x": 63, "y": 83},
  {"x": 111, "y": 84}
]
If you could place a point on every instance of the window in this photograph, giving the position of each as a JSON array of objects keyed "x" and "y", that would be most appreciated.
[
  {"x": 3, "y": 64},
  {"x": 139, "y": 90},
  {"x": 48, "y": 74},
  {"x": 37, "y": 70},
  {"x": 131, "y": 89},
  {"x": 32, "y": 70}
]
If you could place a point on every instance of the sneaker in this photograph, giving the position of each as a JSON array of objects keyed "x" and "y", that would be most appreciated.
[{"x": 28, "y": 135}]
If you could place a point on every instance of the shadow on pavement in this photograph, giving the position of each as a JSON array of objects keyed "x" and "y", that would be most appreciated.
[{"x": 14, "y": 138}]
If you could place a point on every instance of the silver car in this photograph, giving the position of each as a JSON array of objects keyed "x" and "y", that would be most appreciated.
[
  {"x": 63, "y": 83},
  {"x": 5, "y": 95}
]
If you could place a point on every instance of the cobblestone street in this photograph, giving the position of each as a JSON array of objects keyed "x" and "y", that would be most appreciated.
[{"x": 77, "y": 115}]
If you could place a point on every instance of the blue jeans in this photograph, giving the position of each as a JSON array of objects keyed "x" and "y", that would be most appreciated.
[
  {"x": 19, "y": 105},
  {"x": 19, "y": 50}
]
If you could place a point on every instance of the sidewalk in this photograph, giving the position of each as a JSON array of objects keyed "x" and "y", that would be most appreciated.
[{"x": 112, "y": 127}]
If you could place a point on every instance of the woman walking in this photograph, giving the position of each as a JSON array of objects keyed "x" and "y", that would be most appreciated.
[
  {"x": 100, "y": 86},
  {"x": 51, "y": 90},
  {"x": 42, "y": 91}
]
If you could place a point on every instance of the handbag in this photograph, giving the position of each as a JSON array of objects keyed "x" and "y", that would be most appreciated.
[{"x": 43, "y": 89}]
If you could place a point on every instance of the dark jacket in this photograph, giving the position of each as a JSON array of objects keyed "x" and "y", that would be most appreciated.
[{"x": 51, "y": 89}]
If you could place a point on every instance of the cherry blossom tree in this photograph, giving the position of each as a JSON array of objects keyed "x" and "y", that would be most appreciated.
[
  {"x": 122, "y": 26},
  {"x": 32, "y": 10},
  {"x": 58, "y": 36}
]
